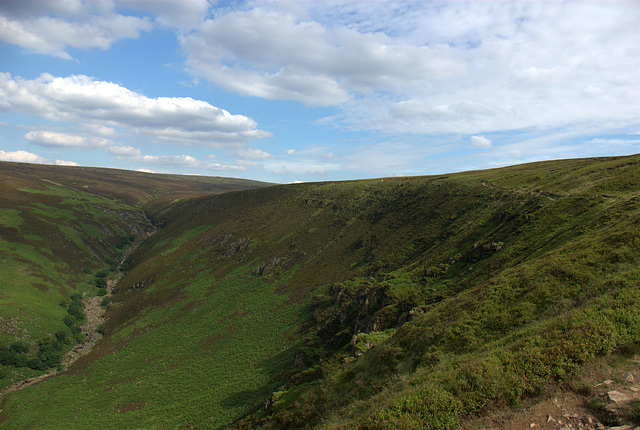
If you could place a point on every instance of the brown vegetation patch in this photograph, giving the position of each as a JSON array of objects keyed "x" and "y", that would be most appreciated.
[
  {"x": 10, "y": 234},
  {"x": 209, "y": 343},
  {"x": 238, "y": 313},
  {"x": 42, "y": 287}
]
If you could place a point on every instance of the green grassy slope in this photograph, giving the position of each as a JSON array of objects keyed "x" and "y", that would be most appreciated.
[
  {"x": 60, "y": 226},
  {"x": 394, "y": 303}
]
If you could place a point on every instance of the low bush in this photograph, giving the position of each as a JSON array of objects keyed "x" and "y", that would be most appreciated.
[{"x": 19, "y": 347}]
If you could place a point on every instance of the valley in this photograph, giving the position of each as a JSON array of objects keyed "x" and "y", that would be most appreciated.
[{"x": 412, "y": 302}]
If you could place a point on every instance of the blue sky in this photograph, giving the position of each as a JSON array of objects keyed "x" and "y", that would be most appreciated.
[{"x": 314, "y": 91}]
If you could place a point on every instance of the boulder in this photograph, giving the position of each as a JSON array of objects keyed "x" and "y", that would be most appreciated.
[{"x": 617, "y": 397}]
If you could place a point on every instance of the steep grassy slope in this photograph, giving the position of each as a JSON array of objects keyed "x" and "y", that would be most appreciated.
[
  {"x": 58, "y": 228},
  {"x": 395, "y": 303}
]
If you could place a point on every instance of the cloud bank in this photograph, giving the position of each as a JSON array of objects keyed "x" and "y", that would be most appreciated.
[
  {"x": 51, "y": 27},
  {"x": 104, "y": 105}
]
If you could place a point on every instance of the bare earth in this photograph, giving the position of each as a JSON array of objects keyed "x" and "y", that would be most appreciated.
[{"x": 615, "y": 382}]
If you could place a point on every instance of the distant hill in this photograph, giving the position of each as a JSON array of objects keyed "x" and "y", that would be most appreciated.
[{"x": 394, "y": 303}]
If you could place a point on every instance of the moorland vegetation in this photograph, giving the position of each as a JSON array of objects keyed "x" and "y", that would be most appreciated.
[{"x": 415, "y": 303}]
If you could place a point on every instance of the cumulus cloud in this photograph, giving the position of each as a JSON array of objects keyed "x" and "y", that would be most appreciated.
[
  {"x": 179, "y": 14},
  {"x": 480, "y": 142},
  {"x": 276, "y": 56},
  {"x": 252, "y": 153},
  {"x": 66, "y": 163},
  {"x": 132, "y": 154},
  {"x": 21, "y": 157},
  {"x": 64, "y": 140},
  {"x": 425, "y": 68},
  {"x": 83, "y": 99},
  {"x": 53, "y": 27},
  {"x": 124, "y": 151}
]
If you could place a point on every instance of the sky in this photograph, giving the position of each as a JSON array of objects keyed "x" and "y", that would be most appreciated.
[{"x": 288, "y": 91}]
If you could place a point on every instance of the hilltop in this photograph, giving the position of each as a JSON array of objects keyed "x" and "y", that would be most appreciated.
[{"x": 419, "y": 302}]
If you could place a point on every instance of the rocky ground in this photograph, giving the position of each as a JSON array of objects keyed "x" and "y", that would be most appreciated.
[{"x": 605, "y": 395}]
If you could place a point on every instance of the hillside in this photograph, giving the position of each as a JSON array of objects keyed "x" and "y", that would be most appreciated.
[
  {"x": 59, "y": 228},
  {"x": 420, "y": 302}
]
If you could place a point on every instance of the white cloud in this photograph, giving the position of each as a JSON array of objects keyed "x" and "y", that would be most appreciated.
[
  {"x": 105, "y": 105},
  {"x": 275, "y": 56},
  {"x": 100, "y": 129},
  {"x": 64, "y": 140},
  {"x": 429, "y": 68},
  {"x": 252, "y": 153},
  {"x": 179, "y": 14},
  {"x": 124, "y": 151},
  {"x": 53, "y": 27},
  {"x": 21, "y": 157},
  {"x": 132, "y": 154},
  {"x": 480, "y": 142},
  {"x": 66, "y": 163}
]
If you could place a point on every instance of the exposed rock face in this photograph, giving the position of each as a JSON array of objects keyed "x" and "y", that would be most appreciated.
[
  {"x": 617, "y": 397},
  {"x": 265, "y": 268}
]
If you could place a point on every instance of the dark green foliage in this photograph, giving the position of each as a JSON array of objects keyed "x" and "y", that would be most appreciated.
[
  {"x": 100, "y": 283},
  {"x": 19, "y": 347},
  {"x": 75, "y": 309},
  {"x": 69, "y": 320},
  {"x": 105, "y": 302},
  {"x": 62, "y": 338},
  {"x": 102, "y": 274},
  {"x": 50, "y": 352},
  {"x": 77, "y": 333},
  {"x": 7, "y": 357},
  {"x": 101, "y": 292},
  {"x": 125, "y": 266},
  {"x": 37, "y": 364},
  {"x": 431, "y": 408}
]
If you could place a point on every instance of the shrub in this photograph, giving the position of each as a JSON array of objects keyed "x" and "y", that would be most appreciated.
[
  {"x": 19, "y": 347},
  {"x": 50, "y": 352},
  {"x": 105, "y": 302},
  {"x": 36, "y": 364},
  {"x": 7, "y": 357},
  {"x": 21, "y": 361},
  {"x": 62, "y": 337},
  {"x": 102, "y": 274},
  {"x": 69, "y": 321},
  {"x": 101, "y": 283},
  {"x": 75, "y": 310},
  {"x": 101, "y": 292},
  {"x": 125, "y": 266},
  {"x": 430, "y": 408}
]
